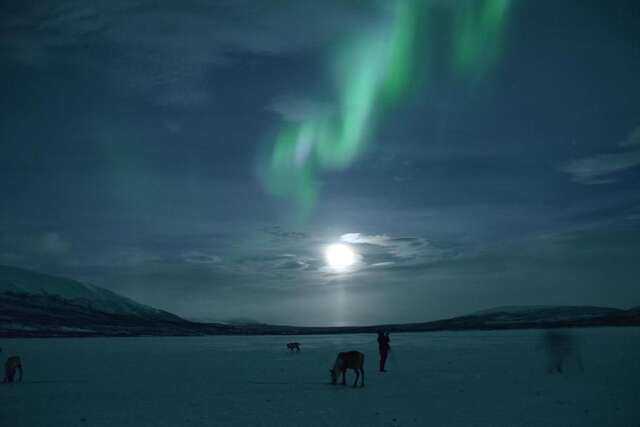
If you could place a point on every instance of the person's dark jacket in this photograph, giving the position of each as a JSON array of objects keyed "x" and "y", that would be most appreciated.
[{"x": 383, "y": 342}]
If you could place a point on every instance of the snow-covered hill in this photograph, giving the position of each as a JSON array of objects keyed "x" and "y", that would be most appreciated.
[
  {"x": 19, "y": 281},
  {"x": 33, "y": 303},
  {"x": 545, "y": 313}
]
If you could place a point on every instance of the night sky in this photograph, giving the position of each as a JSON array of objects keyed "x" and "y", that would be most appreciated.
[{"x": 199, "y": 156}]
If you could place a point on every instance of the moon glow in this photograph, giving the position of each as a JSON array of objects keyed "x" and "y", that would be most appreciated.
[{"x": 340, "y": 256}]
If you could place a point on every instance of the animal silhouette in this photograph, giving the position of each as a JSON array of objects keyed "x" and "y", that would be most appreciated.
[
  {"x": 348, "y": 360},
  {"x": 12, "y": 365}
]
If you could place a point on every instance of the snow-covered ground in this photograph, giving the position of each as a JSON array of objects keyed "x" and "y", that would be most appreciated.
[{"x": 434, "y": 379}]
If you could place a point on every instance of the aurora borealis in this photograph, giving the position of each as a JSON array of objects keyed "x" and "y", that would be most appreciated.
[
  {"x": 373, "y": 71},
  {"x": 202, "y": 156}
]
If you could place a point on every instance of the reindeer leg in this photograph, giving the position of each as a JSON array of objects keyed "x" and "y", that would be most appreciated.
[
  {"x": 362, "y": 381},
  {"x": 355, "y": 384},
  {"x": 344, "y": 377}
]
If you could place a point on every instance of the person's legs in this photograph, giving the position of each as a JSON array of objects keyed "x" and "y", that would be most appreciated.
[
  {"x": 383, "y": 359},
  {"x": 9, "y": 374}
]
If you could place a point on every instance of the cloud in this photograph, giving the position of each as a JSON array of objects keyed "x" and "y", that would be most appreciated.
[
  {"x": 165, "y": 49},
  {"x": 633, "y": 214},
  {"x": 632, "y": 139},
  {"x": 601, "y": 168},
  {"x": 401, "y": 247},
  {"x": 357, "y": 238},
  {"x": 197, "y": 257},
  {"x": 279, "y": 233},
  {"x": 275, "y": 265},
  {"x": 128, "y": 257},
  {"x": 173, "y": 126},
  {"x": 383, "y": 264},
  {"x": 9, "y": 258},
  {"x": 292, "y": 262},
  {"x": 598, "y": 169},
  {"x": 295, "y": 109},
  {"x": 382, "y": 252},
  {"x": 53, "y": 244}
]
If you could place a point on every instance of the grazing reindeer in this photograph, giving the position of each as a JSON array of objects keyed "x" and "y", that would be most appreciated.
[
  {"x": 12, "y": 364},
  {"x": 293, "y": 346},
  {"x": 348, "y": 360}
]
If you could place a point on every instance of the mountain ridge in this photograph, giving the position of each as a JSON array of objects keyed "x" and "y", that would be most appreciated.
[
  {"x": 19, "y": 281},
  {"x": 34, "y": 304},
  {"x": 38, "y": 304}
]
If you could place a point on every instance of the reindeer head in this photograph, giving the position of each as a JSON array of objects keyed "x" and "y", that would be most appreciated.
[{"x": 334, "y": 376}]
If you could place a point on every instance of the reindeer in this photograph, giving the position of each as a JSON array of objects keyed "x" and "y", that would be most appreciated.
[
  {"x": 12, "y": 364},
  {"x": 348, "y": 360},
  {"x": 293, "y": 346}
]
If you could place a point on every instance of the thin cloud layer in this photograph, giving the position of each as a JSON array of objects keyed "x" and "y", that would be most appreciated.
[
  {"x": 381, "y": 251},
  {"x": 604, "y": 168},
  {"x": 297, "y": 108},
  {"x": 632, "y": 139},
  {"x": 601, "y": 169}
]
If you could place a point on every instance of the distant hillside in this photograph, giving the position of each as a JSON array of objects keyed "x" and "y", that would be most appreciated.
[
  {"x": 544, "y": 314},
  {"x": 514, "y": 317},
  {"x": 35, "y": 304},
  {"x": 546, "y": 311},
  {"x": 519, "y": 317}
]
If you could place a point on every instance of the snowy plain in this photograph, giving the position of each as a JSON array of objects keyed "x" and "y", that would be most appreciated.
[{"x": 482, "y": 378}]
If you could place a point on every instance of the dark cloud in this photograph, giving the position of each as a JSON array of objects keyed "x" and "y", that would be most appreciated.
[
  {"x": 284, "y": 234},
  {"x": 163, "y": 50},
  {"x": 201, "y": 258}
]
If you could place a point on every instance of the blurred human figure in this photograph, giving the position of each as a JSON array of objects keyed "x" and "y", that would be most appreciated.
[
  {"x": 383, "y": 348},
  {"x": 12, "y": 365},
  {"x": 560, "y": 346}
]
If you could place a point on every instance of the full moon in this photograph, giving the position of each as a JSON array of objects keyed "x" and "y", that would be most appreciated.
[{"x": 340, "y": 256}]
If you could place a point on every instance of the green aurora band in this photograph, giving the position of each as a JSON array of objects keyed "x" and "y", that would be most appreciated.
[{"x": 374, "y": 71}]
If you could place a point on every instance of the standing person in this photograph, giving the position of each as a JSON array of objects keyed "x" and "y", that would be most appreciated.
[
  {"x": 383, "y": 348},
  {"x": 560, "y": 347}
]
